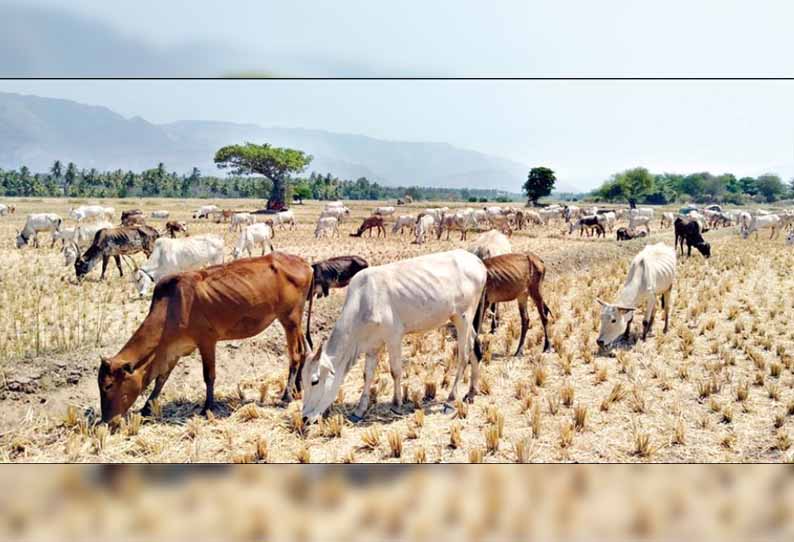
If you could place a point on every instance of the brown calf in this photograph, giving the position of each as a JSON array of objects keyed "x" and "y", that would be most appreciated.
[
  {"x": 197, "y": 309},
  {"x": 172, "y": 227},
  {"x": 519, "y": 277},
  {"x": 375, "y": 221}
]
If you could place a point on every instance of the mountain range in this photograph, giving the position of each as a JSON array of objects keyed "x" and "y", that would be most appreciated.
[{"x": 36, "y": 131}]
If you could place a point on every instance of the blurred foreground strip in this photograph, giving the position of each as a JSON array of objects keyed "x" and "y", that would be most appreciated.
[{"x": 345, "y": 503}]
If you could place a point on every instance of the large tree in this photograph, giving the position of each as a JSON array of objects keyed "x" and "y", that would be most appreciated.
[
  {"x": 274, "y": 163},
  {"x": 770, "y": 186},
  {"x": 540, "y": 183},
  {"x": 635, "y": 182}
]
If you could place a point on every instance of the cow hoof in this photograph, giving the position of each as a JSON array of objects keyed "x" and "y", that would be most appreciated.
[
  {"x": 355, "y": 418},
  {"x": 469, "y": 398}
]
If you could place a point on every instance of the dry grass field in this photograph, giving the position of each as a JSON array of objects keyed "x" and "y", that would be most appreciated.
[{"x": 717, "y": 387}]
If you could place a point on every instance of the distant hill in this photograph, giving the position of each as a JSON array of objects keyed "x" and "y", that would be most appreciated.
[{"x": 36, "y": 131}]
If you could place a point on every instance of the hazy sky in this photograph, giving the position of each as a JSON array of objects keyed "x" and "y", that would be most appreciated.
[
  {"x": 420, "y": 37},
  {"x": 583, "y": 130}
]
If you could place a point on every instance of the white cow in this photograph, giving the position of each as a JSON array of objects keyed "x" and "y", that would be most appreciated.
[
  {"x": 91, "y": 211},
  {"x": 636, "y": 221},
  {"x": 160, "y": 214},
  {"x": 37, "y": 223},
  {"x": 383, "y": 304},
  {"x": 424, "y": 226},
  {"x": 77, "y": 238},
  {"x": 489, "y": 244},
  {"x": 238, "y": 219},
  {"x": 652, "y": 273},
  {"x": 667, "y": 220},
  {"x": 336, "y": 212},
  {"x": 384, "y": 211},
  {"x": 437, "y": 213},
  {"x": 332, "y": 204},
  {"x": 461, "y": 221},
  {"x": 326, "y": 225},
  {"x": 743, "y": 221},
  {"x": 178, "y": 255},
  {"x": 404, "y": 221},
  {"x": 607, "y": 220},
  {"x": 533, "y": 217},
  {"x": 3, "y": 209},
  {"x": 762, "y": 222},
  {"x": 284, "y": 217},
  {"x": 206, "y": 211},
  {"x": 251, "y": 236},
  {"x": 547, "y": 215},
  {"x": 642, "y": 211},
  {"x": 571, "y": 212}
]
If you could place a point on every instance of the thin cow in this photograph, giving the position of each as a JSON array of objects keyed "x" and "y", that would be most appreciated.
[
  {"x": 383, "y": 304},
  {"x": 198, "y": 309},
  {"x": 652, "y": 273},
  {"x": 115, "y": 242}
]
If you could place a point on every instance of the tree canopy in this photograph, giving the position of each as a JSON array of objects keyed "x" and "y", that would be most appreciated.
[
  {"x": 540, "y": 183},
  {"x": 274, "y": 163}
]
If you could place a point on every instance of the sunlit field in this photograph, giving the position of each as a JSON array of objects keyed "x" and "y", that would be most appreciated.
[{"x": 716, "y": 387}]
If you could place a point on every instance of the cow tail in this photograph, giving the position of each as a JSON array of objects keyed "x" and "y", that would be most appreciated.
[
  {"x": 477, "y": 324},
  {"x": 309, "y": 313}
]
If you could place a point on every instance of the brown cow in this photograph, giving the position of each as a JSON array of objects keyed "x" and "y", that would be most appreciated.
[
  {"x": 224, "y": 216},
  {"x": 172, "y": 227},
  {"x": 196, "y": 310},
  {"x": 516, "y": 276},
  {"x": 115, "y": 242},
  {"x": 375, "y": 221}
]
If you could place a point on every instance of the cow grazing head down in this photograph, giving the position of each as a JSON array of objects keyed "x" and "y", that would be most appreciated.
[
  {"x": 82, "y": 267},
  {"x": 614, "y": 321},
  {"x": 704, "y": 248},
  {"x": 119, "y": 386},
  {"x": 320, "y": 385},
  {"x": 22, "y": 240}
]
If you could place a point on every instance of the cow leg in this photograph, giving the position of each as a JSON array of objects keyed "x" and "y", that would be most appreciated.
[
  {"x": 396, "y": 366},
  {"x": 647, "y": 322},
  {"x": 688, "y": 250},
  {"x": 207, "y": 352},
  {"x": 465, "y": 332},
  {"x": 369, "y": 374},
  {"x": 104, "y": 267},
  {"x": 158, "y": 387},
  {"x": 537, "y": 297},
  {"x": 666, "y": 306},
  {"x": 296, "y": 352},
  {"x": 628, "y": 328},
  {"x": 118, "y": 264},
  {"x": 492, "y": 308},
  {"x": 522, "y": 312}
]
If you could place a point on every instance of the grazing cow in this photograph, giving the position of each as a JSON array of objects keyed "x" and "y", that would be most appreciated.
[
  {"x": 253, "y": 235},
  {"x": 238, "y": 219},
  {"x": 667, "y": 220},
  {"x": 281, "y": 218},
  {"x": 336, "y": 212},
  {"x": 375, "y": 221},
  {"x": 637, "y": 221},
  {"x": 177, "y": 255},
  {"x": 547, "y": 215},
  {"x": 461, "y": 221},
  {"x": 404, "y": 221},
  {"x": 172, "y": 227},
  {"x": 690, "y": 232},
  {"x": 515, "y": 277},
  {"x": 588, "y": 223},
  {"x": 90, "y": 211},
  {"x": 197, "y": 309},
  {"x": 625, "y": 235},
  {"x": 81, "y": 237},
  {"x": 642, "y": 211},
  {"x": 760, "y": 222},
  {"x": 533, "y": 217},
  {"x": 37, "y": 223},
  {"x": 115, "y": 242},
  {"x": 720, "y": 219},
  {"x": 326, "y": 225},
  {"x": 437, "y": 213},
  {"x": 162, "y": 215},
  {"x": 652, "y": 273},
  {"x": 424, "y": 226},
  {"x": 383, "y": 304},
  {"x": 206, "y": 211},
  {"x": 384, "y": 211}
]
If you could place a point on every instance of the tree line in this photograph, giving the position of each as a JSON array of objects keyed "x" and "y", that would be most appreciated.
[
  {"x": 701, "y": 187},
  {"x": 68, "y": 180}
]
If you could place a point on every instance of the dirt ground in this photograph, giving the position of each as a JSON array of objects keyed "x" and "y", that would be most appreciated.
[{"x": 717, "y": 387}]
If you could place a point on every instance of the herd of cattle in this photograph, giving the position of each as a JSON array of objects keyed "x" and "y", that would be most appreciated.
[{"x": 198, "y": 300}]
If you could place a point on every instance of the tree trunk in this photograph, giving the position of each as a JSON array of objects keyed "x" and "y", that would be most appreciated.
[{"x": 278, "y": 195}]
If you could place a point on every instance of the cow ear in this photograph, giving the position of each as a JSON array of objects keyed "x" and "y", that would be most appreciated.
[{"x": 325, "y": 365}]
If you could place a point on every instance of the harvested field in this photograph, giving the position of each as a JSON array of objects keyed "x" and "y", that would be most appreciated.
[{"x": 717, "y": 387}]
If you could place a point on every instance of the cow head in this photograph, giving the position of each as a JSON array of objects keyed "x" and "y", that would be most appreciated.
[
  {"x": 22, "y": 239},
  {"x": 120, "y": 384},
  {"x": 83, "y": 267},
  {"x": 614, "y": 319},
  {"x": 704, "y": 248},
  {"x": 320, "y": 384}
]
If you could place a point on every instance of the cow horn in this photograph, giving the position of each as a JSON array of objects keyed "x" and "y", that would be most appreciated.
[
  {"x": 105, "y": 362},
  {"x": 601, "y": 302}
]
